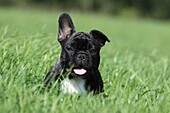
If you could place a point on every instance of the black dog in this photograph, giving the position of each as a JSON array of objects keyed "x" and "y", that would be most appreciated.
[{"x": 80, "y": 56}]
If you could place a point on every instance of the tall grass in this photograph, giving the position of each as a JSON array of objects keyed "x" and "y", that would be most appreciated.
[{"x": 135, "y": 66}]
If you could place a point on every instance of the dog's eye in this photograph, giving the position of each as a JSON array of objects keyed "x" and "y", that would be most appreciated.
[
  {"x": 93, "y": 51},
  {"x": 68, "y": 48}
]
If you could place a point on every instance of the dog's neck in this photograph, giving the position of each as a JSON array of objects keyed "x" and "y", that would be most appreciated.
[{"x": 74, "y": 85}]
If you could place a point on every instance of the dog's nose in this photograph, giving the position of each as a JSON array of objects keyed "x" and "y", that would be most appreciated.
[{"x": 81, "y": 57}]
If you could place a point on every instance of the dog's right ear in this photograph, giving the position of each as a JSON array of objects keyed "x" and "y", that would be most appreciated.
[
  {"x": 100, "y": 37},
  {"x": 65, "y": 27}
]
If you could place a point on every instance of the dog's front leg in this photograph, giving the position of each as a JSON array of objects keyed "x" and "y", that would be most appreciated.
[
  {"x": 94, "y": 82},
  {"x": 53, "y": 74}
]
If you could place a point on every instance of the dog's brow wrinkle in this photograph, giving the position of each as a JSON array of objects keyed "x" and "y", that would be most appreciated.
[
  {"x": 81, "y": 34},
  {"x": 87, "y": 34}
]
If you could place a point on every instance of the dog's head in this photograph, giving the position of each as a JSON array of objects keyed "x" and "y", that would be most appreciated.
[{"x": 79, "y": 49}]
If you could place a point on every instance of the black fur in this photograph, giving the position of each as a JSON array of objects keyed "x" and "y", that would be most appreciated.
[{"x": 79, "y": 50}]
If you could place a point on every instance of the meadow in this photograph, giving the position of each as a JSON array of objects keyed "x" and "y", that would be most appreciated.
[{"x": 135, "y": 65}]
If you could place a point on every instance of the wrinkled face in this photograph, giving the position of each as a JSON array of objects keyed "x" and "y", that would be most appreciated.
[
  {"x": 82, "y": 52},
  {"x": 79, "y": 50}
]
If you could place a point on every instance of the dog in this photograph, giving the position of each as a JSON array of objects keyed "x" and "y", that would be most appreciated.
[{"x": 79, "y": 60}]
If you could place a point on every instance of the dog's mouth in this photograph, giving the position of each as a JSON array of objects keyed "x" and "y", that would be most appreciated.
[{"x": 79, "y": 71}]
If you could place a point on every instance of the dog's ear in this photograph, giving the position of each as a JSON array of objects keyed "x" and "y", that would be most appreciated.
[
  {"x": 100, "y": 37},
  {"x": 65, "y": 27}
]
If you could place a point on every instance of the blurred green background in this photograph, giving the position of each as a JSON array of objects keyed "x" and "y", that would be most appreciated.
[{"x": 133, "y": 8}]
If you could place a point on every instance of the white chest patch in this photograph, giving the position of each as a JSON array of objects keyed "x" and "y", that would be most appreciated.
[{"x": 71, "y": 86}]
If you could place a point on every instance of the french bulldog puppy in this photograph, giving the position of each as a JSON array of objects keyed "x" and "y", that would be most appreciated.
[{"x": 79, "y": 60}]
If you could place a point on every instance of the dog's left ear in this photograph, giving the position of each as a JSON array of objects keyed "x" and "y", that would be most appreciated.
[
  {"x": 100, "y": 37},
  {"x": 65, "y": 27}
]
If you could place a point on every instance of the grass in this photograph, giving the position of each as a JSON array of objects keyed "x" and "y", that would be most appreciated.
[{"x": 135, "y": 66}]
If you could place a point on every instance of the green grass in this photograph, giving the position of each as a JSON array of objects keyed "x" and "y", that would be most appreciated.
[{"x": 135, "y": 65}]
